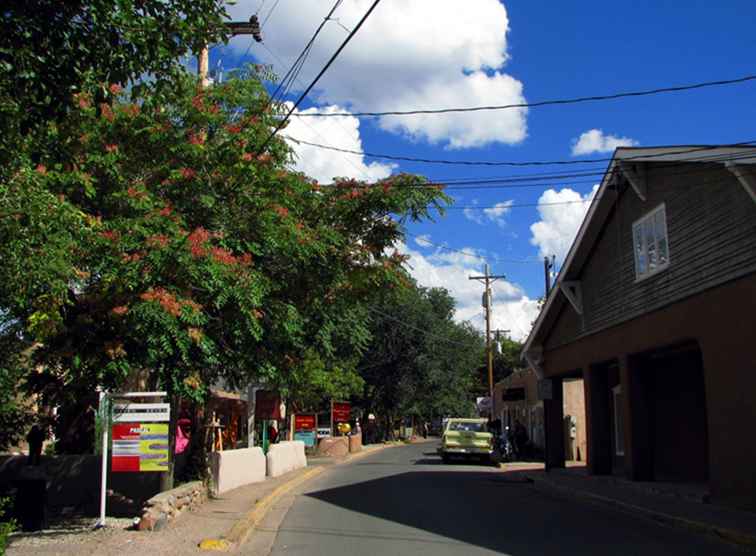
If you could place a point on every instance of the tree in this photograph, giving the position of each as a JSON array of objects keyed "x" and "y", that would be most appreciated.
[
  {"x": 156, "y": 236},
  {"x": 51, "y": 50},
  {"x": 419, "y": 362}
]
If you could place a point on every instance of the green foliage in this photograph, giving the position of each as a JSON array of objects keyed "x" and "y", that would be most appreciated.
[
  {"x": 15, "y": 415},
  {"x": 7, "y": 526},
  {"x": 50, "y": 50},
  {"x": 153, "y": 235},
  {"x": 420, "y": 362}
]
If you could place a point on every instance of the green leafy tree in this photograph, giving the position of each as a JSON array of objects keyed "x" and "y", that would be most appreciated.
[
  {"x": 420, "y": 361},
  {"x": 156, "y": 236},
  {"x": 50, "y": 50}
]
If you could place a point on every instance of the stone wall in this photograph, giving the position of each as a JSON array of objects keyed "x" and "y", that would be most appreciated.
[{"x": 166, "y": 506}]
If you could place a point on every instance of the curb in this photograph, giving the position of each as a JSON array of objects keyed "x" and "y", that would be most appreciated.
[
  {"x": 721, "y": 533},
  {"x": 242, "y": 528}
]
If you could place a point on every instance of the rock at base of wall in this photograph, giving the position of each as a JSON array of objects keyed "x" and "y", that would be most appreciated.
[
  {"x": 334, "y": 447},
  {"x": 355, "y": 443}
]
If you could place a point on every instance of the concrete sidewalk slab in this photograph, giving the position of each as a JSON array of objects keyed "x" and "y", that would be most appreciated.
[{"x": 679, "y": 506}]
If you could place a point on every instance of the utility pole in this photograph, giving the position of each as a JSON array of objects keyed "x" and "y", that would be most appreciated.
[
  {"x": 488, "y": 279},
  {"x": 251, "y": 27},
  {"x": 548, "y": 266}
]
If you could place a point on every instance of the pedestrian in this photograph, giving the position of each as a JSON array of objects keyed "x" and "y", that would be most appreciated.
[
  {"x": 425, "y": 429},
  {"x": 521, "y": 439},
  {"x": 272, "y": 433},
  {"x": 35, "y": 438}
]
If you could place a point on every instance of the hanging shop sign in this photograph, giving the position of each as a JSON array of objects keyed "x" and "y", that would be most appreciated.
[
  {"x": 267, "y": 405},
  {"x": 341, "y": 412},
  {"x": 304, "y": 422},
  {"x": 139, "y": 447},
  {"x": 141, "y": 412}
]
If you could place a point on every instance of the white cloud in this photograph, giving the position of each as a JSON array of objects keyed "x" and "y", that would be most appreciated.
[
  {"x": 493, "y": 214},
  {"x": 423, "y": 240},
  {"x": 512, "y": 309},
  {"x": 341, "y": 132},
  {"x": 421, "y": 54},
  {"x": 594, "y": 141},
  {"x": 554, "y": 232}
]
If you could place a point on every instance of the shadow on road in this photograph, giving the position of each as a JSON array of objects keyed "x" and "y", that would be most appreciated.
[{"x": 501, "y": 512}]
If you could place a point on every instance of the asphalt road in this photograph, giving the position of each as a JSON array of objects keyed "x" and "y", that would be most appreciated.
[{"x": 405, "y": 501}]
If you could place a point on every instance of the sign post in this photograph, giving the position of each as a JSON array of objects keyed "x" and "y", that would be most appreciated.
[{"x": 140, "y": 437}]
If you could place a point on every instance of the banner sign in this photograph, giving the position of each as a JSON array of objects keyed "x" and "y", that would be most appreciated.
[
  {"x": 141, "y": 412},
  {"x": 341, "y": 412},
  {"x": 304, "y": 422},
  {"x": 140, "y": 447},
  {"x": 267, "y": 405}
]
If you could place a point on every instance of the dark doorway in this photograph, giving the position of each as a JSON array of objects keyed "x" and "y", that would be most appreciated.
[{"x": 677, "y": 401}]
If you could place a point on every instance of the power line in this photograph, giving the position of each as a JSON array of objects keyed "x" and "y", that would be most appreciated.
[
  {"x": 498, "y": 163},
  {"x": 296, "y": 67},
  {"x": 320, "y": 74},
  {"x": 472, "y": 254},
  {"x": 421, "y": 330},
  {"x": 576, "y": 100},
  {"x": 267, "y": 17}
]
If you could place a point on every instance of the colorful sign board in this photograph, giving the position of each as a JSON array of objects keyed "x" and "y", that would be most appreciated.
[
  {"x": 304, "y": 422},
  {"x": 341, "y": 412},
  {"x": 140, "y": 447},
  {"x": 308, "y": 437}
]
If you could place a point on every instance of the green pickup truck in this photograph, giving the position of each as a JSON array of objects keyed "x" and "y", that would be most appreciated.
[{"x": 467, "y": 438}]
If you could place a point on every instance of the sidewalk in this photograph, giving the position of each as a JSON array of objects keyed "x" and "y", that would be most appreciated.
[
  {"x": 213, "y": 519},
  {"x": 678, "y": 505}
]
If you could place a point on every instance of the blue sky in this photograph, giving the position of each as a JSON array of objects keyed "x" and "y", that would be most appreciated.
[{"x": 432, "y": 54}]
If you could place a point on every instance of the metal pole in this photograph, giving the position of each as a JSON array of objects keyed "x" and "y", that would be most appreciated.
[
  {"x": 104, "y": 479},
  {"x": 489, "y": 354}
]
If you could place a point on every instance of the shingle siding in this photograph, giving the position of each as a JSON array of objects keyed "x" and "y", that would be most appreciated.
[{"x": 711, "y": 228}]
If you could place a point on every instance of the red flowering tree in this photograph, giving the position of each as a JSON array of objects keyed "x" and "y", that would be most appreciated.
[{"x": 158, "y": 238}]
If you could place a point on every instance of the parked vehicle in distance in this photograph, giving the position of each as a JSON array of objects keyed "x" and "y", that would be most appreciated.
[{"x": 467, "y": 438}]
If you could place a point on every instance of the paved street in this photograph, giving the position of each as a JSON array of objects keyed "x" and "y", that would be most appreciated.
[{"x": 404, "y": 501}]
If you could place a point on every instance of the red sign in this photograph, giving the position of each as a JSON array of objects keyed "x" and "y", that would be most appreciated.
[
  {"x": 304, "y": 422},
  {"x": 341, "y": 411},
  {"x": 267, "y": 405}
]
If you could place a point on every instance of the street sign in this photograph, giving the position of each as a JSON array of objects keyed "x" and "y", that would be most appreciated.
[
  {"x": 267, "y": 405},
  {"x": 304, "y": 422},
  {"x": 341, "y": 412},
  {"x": 141, "y": 412},
  {"x": 308, "y": 437},
  {"x": 140, "y": 447}
]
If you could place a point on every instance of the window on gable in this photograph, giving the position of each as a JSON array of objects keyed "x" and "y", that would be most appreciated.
[{"x": 650, "y": 243}]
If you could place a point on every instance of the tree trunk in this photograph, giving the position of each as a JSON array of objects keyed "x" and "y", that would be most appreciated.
[{"x": 167, "y": 478}]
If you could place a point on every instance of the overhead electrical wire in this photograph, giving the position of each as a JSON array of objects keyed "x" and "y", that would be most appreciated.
[
  {"x": 575, "y": 100},
  {"x": 296, "y": 67},
  {"x": 472, "y": 254},
  {"x": 270, "y": 13},
  {"x": 421, "y": 330},
  {"x": 499, "y": 163},
  {"x": 320, "y": 74}
]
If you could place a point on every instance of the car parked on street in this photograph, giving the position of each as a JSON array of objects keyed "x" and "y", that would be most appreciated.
[{"x": 468, "y": 439}]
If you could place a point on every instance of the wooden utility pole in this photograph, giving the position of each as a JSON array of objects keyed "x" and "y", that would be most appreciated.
[
  {"x": 251, "y": 27},
  {"x": 548, "y": 266},
  {"x": 488, "y": 279}
]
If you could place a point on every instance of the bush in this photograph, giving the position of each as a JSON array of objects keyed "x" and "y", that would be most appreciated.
[{"x": 6, "y": 527}]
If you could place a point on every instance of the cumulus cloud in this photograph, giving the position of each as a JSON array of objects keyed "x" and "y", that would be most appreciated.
[
  {"x": 495, "y": 214},
  {"x": 594, "y": 141},
  {"x": 421, "y": 54},
  {"x": 341, "y": 132},
  {"x": 512, "y": 309},
  {"x": 554, "y": 233}
]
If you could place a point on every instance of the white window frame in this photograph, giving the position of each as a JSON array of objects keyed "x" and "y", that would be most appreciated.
[
  {"x": 650, "y": 216},
  {"x": 619, "y": 448}
]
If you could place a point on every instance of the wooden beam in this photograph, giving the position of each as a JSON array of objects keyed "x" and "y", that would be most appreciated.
[
  {"x": 636, "y": 178},
  {"x": 745, "y": 175},
  {"x": 573, "y": 291}
]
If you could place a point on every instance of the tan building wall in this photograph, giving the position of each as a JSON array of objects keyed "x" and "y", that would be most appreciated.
[{"x": 575, "y": 444}]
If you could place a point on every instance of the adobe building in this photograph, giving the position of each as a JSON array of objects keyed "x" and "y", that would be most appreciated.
[{"x": 655, "y": 309}]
